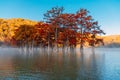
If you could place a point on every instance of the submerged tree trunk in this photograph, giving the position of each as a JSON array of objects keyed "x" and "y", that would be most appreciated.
[
  {"x": 67, "y": 43},
  {"x": 93, "y": 49},
  {"x": 81, "y": 41},
  {"x": 56, "y": 39},
  {"x": 81, "y": 46}
]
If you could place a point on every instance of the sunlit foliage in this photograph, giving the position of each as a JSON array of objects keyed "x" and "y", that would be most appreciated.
[
  {"x": 58, "y": 30},
  {"x": 8, "y": 26}
]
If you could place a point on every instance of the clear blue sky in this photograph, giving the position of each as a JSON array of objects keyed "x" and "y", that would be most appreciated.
[{"x": 106, "y": 12}]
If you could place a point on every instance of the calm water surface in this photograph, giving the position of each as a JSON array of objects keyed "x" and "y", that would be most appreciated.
[{"x": 102, "y": 64}]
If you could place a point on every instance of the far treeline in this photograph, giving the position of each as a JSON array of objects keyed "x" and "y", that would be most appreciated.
[{"x": 58, "y": 29}]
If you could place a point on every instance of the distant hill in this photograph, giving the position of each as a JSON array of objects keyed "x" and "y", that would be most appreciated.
[
  {"x": 111, "y": 41},
  {"x": 8, "y": 26}
]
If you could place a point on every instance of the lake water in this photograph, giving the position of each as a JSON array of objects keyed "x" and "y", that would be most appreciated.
[{"x": 102, "y": 64}]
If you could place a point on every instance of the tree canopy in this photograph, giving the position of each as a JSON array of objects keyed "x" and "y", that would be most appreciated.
[{"x": 58, "y": 29}]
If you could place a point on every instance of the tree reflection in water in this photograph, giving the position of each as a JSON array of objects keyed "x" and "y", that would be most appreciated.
[{"x": 62, "y": 65}]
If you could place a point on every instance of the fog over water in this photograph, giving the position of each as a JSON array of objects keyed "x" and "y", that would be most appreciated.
[{"x": 100, "y": 64}]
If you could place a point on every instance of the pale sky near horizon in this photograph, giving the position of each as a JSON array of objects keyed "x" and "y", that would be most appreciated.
[{"x": 106, "y": 12}]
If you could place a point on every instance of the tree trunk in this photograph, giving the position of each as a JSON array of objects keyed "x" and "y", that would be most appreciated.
[
  {"x": 81, "y": 46},
  {"x": 56, "y": 40},
  {"x": 81, "y": 41}
]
